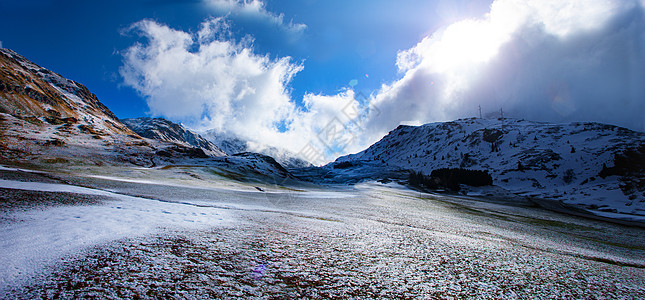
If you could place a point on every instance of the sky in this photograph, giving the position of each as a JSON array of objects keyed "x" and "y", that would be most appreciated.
[{"x": 327, "y": 78}]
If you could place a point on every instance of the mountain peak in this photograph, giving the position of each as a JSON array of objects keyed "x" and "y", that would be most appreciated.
[
  {"x": 232, "y": 145},
  {"x": 165, "y": 130},
  {"x": 558, "y": 161},
  {"x": 29, "y": 90}
]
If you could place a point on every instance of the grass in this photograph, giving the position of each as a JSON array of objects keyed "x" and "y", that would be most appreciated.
[
  {"x": 554, "y": 223},
  {"x": 226, "y": 174}
]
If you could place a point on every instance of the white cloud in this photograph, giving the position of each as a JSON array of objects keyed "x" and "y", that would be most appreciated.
[
  {"x": 209, "y": 81},
  {"x": 255, "y": 9},
  {"x": 543, "y": 60},
  {"x": 579, "y": 60}
]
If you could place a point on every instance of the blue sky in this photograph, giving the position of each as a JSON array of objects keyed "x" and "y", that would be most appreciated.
[
  {"x": 343, "y": 40},
  {"x": 333, "y": 77}
]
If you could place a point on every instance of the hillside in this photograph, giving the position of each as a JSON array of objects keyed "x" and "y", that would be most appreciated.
[
  {"x": 27, "y": 89},
  {"x": 162, "y": 129},
  {"x": 45, "y": 117},
  {"x": 49, "y": 120},
  {"x": 540, "y": 160}
]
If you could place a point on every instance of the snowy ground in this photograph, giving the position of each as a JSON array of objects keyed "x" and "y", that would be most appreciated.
[{"x": 71, "y": 236}]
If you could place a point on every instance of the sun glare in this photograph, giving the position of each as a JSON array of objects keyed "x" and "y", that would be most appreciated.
[{"x": 465, "y": 43}]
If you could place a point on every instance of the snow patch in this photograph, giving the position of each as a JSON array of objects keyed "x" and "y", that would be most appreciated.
[{"x": 42, "y": 236}]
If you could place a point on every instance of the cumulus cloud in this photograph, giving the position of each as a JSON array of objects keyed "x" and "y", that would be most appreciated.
[
  {"x": 208, "y": 80},
  {"x": 580, "y": 60},
  {"x": 255, "y": 9},
  {"x": 545, "y": 60}
]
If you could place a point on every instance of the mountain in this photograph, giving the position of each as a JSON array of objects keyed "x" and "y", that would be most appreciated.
[
  {"x": 232, "y": 144},
  {"x": 27, "y": 89},
  {"x": 159, "y": 129},
  {"x": 46, "y": 117},
  {"x": 598, "y": 166},
  {"x": 286, "y": 158},
  {"x": 48, "y": 120},
  {"x": 162, "y": 129}
]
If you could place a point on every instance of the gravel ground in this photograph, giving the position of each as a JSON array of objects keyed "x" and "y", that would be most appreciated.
[
  {"x": 17, "y": 174},
  {"x": 365, "y": 242},
  {"x": 20, "y": 200},
  {"x": 287, "y": 258},
  {"x": 16, "y": 200}
]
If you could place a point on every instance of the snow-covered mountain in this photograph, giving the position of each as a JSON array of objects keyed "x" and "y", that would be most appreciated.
[
  {"x": 286, "y": 158},
  {"x": 550, "y": 161},
  {"x": 46, "y": 119},
  {"x": 162, "y": 129},
  {"x": 27, "y": 89},
  {"x": 165, "y": 130},
  {"x": 232, "y": 144},
  {"x": 228, "y": 143}
]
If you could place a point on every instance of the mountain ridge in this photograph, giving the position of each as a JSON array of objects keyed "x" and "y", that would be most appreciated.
[
  {"x": 232, "y": 145},
  {"x": 162, "y": 129},
  {"x": 47, "y": 120},
  {"x": 535, "y": 159},
  {"x": 28, "y": 89}
]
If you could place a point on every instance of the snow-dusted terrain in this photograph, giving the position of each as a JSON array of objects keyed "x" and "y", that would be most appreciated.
[
  {"x": 148, "y": 239},
  {"x": 41, "y": 236},
  {"x": 91, "y": 209},
  {"x": 232, "y": 144},
  {"x": 162, "y": 129},
  {"x": 540, "y": 160},
  {"x": 50, "y": 121}
]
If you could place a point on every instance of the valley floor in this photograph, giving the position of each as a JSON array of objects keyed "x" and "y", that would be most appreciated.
[{"x": 65, "y": 235}]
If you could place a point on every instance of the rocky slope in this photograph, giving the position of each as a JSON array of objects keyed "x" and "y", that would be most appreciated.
[
  {"x": 27, "y": 89},
  {"x": 601, "y": 167},
  {"x": 46, "y": 119},
  {"x": 162, "y": 129}
]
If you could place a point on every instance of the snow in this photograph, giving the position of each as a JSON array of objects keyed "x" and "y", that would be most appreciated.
[
  {"x": 5, "y": 168},
  {"x": 369, "y": 240},
  {"x": 50, "y": 187},
  {"x": 612, "y": 215},
  {"x": 326, "y": 195},
  {"x": 39, "y": 237},
  {"x": 164, "y": 130},
  {"x": 232, "y": 144},
  {"x": 76, "y": 99},
  {"x": 544, "y": 150}
]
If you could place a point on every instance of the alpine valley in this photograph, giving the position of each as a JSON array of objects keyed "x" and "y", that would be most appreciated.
[
  {"x": 48, "y": 119},
  {"x": 92, "y": 206}
]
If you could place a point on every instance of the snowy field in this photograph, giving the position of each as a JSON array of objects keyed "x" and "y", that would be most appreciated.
[{"x": 129, "y": 235}]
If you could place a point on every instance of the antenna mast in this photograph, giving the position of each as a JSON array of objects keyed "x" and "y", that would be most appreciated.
[{"x": 501, "y": 112}]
